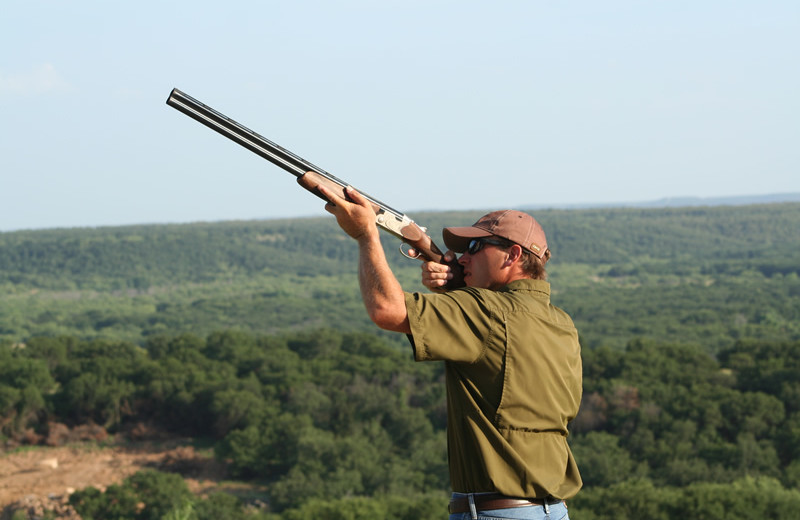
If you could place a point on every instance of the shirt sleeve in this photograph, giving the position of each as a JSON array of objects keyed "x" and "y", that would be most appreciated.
[{"x": 453, "y": 326}]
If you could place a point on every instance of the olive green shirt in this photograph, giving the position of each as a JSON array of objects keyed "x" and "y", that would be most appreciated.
[{"x": 513, "y": 377}]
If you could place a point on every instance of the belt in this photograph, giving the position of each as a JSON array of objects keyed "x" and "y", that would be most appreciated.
[{"x": 489, "y": 501}]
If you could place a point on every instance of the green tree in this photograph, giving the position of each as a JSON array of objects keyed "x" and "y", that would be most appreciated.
[
  {"x": 23, "y": 384},
  {"x": 603, "y": 462},
  {"x": 146, "y": 495}
]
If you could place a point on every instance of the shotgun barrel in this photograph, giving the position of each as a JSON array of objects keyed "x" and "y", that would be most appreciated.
[{"x": 311, "y": 177}]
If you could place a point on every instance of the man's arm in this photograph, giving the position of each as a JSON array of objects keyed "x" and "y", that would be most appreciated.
[{"x": 382, "y": 294}]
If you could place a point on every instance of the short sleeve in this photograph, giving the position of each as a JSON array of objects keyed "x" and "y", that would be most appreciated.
[{"x": 453, "y": 326}]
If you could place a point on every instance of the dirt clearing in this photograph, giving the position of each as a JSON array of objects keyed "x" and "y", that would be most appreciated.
[{"x": 44, "y": 475}]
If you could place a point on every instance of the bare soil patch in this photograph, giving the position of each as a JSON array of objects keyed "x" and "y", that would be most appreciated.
[{"x": 44, "y": 477}]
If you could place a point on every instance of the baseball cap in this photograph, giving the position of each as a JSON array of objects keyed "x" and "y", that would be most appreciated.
[{"x": 516, "y": 226}]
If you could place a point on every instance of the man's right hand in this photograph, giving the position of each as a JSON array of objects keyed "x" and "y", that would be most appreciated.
[{"x": 435, "y": 275}]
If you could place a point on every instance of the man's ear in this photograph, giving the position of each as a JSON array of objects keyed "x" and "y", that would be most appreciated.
[{"x": 514, "y": 254}]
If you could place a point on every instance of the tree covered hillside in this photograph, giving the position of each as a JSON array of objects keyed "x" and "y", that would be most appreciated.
[
  {"x": 698, "y": 275},
  {"x": 325, "y": 420},
  {"x": 252, "y": 337}
]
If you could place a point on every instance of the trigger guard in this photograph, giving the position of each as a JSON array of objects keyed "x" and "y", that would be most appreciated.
[{"x": 404, "y": 252}]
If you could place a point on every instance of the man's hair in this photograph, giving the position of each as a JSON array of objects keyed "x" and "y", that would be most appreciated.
[{"x": 533, "y": 266}]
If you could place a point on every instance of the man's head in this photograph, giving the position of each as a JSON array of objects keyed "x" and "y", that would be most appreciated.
[{"x": 511, "y": 227}]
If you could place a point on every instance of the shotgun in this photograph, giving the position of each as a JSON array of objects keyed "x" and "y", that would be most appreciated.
[{"x": 311, "y": 177}]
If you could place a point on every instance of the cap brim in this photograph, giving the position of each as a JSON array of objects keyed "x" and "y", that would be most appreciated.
[{"x": 457, "y": 238}]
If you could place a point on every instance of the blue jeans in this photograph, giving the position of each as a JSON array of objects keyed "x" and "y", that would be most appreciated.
[{"x": 551, "y": 511}]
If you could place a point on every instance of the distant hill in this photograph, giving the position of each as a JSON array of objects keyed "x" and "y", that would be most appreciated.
[
  {"x": 704, "y": 275},
  {"x": 682, "y": 202}
]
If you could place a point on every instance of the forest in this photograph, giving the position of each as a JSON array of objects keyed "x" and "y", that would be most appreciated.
[{"x": 250, "y": 337}]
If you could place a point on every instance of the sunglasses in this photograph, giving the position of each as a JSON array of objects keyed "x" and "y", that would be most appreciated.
[{"x": 476, "y": 244}]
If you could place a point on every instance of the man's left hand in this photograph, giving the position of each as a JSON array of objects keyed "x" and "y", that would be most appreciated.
[{"x": 355, "y": 214}]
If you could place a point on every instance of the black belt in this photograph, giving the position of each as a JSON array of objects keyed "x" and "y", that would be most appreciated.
[{"x": 489, "y": 501}]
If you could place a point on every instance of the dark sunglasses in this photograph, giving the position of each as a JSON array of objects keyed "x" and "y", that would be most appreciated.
[{"x": 476, "y": 244}]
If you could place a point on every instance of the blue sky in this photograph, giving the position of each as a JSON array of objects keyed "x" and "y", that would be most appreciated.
[{"x": 422, "y": 104}]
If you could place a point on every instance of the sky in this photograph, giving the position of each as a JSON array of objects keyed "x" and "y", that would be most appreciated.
[{"x": 424, "y": 105}]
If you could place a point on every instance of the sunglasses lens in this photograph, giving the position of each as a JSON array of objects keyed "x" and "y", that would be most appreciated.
[{"x": 474, "y": 246}]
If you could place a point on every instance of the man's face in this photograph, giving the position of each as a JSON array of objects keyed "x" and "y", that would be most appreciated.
[{"x": 483, "y": 268}]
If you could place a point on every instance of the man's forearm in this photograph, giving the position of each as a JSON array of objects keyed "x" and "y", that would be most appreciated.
[
  {"x": 382, "y": 294},
  {"x": 380, "y": 290}
]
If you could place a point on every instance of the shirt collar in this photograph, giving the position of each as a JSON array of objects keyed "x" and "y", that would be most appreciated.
[{"x": 528, "y": 284}]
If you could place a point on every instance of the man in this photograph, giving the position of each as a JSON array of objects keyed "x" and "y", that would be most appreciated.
[{"x": 513, "y": 366}]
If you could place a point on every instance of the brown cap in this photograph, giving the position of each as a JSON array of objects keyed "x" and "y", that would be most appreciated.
[{"x": 510, "y": 224}]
